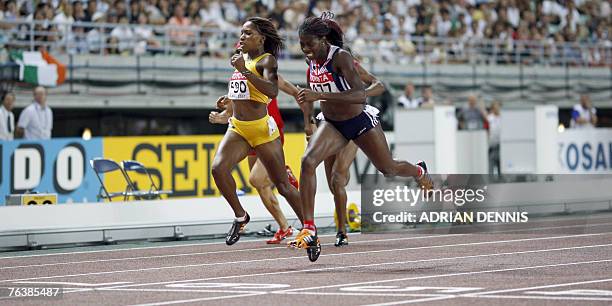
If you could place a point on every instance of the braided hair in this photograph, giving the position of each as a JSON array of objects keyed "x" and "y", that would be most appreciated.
[
  {"x": 273, "y": 43},
  {"x": 323, "y": 26}
]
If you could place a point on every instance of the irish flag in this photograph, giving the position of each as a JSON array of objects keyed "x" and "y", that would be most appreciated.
[{"x": 39, "y": 68}]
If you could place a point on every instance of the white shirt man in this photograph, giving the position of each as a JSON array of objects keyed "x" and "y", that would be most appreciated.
[
  {"x": 7, "y": 119},
  {"x": 36, "y": 120},
  {"x": 494, "y": 129},
  {"x": 407, "y": 100},
  {"x": 584, "y": 115}
]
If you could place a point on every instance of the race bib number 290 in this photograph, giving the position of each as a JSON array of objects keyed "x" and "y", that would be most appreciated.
[{"x": 238, "y": 88}]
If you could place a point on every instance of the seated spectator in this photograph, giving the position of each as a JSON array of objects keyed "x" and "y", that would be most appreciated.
[
  {"x": 408, "y": 100},
  {"x": 78, "y": 12},
  {"x": 179, "y": 31},
  {"x": 472, "y": 117},
  {"x": 154, "y": 12},
  {"x": 77, "y": 41},
  {"x": 584, "y": 115},
  {"x": 426, "y": 100},
  {"x": 122, "y": 37},
  {"x": 145, "y": 39},
  {"x": 64, "y": 20}
]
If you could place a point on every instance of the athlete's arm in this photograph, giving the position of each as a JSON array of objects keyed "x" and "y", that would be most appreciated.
[
  {"x": 343, "y": 63},
  {"x": 268, "y": 85},
  {"x": 286, "y": 87},
  {"x": 308, "y": 116},
  {"x": 376, "y": 87},
  {"x": 222, "y": 117}
]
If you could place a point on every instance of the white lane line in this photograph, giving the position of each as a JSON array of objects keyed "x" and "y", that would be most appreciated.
[
  {"x": 180, "y": 290},
  {"x": 332, "y": 235},
  {"x": 146, "y": 248},
  {"x": 353, "y": 267},
  {"x": 199, "y": 300},
  {"x": 204, "y": 253},
  {"x": 414, "y": 301},
  {"x": 446, "y": 275},
  {"x": 300, "y": 257},
  {"x": 544, "y": 297},
  {"x": 276, "y": 248},
  {"x": 273, "y": 248},
  {"x": 362, "y": 294},
  {"x": 73, "y": 284},
  {"x": 539, "y": 287}
]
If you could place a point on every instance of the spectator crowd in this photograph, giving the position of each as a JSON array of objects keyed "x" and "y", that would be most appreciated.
[{"x": 414, "y": 30}]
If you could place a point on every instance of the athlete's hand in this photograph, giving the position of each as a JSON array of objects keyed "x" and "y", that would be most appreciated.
[
  {"x": 309, "y": 129},
  {"x": 218, "y": 118},
  {"x": 307, "y": 96},
  {"x": 238, "y": 62},
  {"x": 222, "y": 102}
]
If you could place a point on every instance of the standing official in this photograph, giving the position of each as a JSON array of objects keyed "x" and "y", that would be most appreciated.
[
  {"x": 36, "y": 120},
  {"x": 7, "y": 119}
]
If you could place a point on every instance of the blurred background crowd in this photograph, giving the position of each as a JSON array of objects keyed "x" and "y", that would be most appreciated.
[{"x": 397, "y": 30}]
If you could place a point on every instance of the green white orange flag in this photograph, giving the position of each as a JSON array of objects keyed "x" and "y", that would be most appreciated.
[{"x": 39, "y": 68}]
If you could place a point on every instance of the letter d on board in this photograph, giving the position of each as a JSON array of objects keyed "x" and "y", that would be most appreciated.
[{"x": 27, "y": 166}]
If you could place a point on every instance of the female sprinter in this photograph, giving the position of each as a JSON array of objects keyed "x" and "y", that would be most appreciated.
[
  {"x": 337, "y": 166},
  {"x": 336, "y": 84},
  {"x": 252, "y": 83},
  {"x": 259, "y": 177}
]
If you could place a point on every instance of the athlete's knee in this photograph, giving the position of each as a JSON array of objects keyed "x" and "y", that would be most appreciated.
[
  {"x": 284, "y": 188},
  {"x": 338, "y": 182},
  {"x": 388, "y": 171},
  {"x": 257, "y": 181},
  {"x": 309, "y": 164},
  {"x": 218, "y": 168}
]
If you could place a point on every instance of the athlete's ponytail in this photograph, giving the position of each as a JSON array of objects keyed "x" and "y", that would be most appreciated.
[{"x": 323, "y": 26}]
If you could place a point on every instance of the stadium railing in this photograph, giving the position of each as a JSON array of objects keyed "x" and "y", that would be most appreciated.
[{"x": 94, "y": 38}]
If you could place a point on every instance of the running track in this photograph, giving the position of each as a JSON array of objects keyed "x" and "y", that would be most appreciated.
[{"x": 563, "y": 260}]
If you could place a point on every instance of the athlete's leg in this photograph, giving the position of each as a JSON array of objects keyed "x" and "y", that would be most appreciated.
[
  {"x": 339, "y": 179},
  {"x": 374, "y": 144},
  {"x": 251, "y": 159},
  {"x": 326, "y": 142},
  {"x": 273, "y": 158},
  {"x": 337, "y": 172},
  {"x": 260, "y": 180},
  {"x": 232, "y": 149}
]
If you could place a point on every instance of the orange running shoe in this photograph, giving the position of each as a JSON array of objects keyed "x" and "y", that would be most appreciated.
[
  {"x": 292, "y": 179},
  {"x": 280, "y": 235},
  {"x": 302, "y": 240}
]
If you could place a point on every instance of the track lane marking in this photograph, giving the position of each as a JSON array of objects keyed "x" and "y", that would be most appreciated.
[
  {"x": 331, "y": 235},
  {"x": 540, "y": 287},
  {"x": 198, "y": 300},
  {"x": 353, "y": 266},
  {"x": 300, "y": 257},
  {"x": 445, "y": 275}
]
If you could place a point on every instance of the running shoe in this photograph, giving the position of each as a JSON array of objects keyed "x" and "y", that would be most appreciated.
[
  {"x": 341, "y": 239},
  {"x": 234, "y": 233},
  {"x": 311, "y": 243},
  {"x": 280, "y": 235},
  {"x": 302, "y": 239}
]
